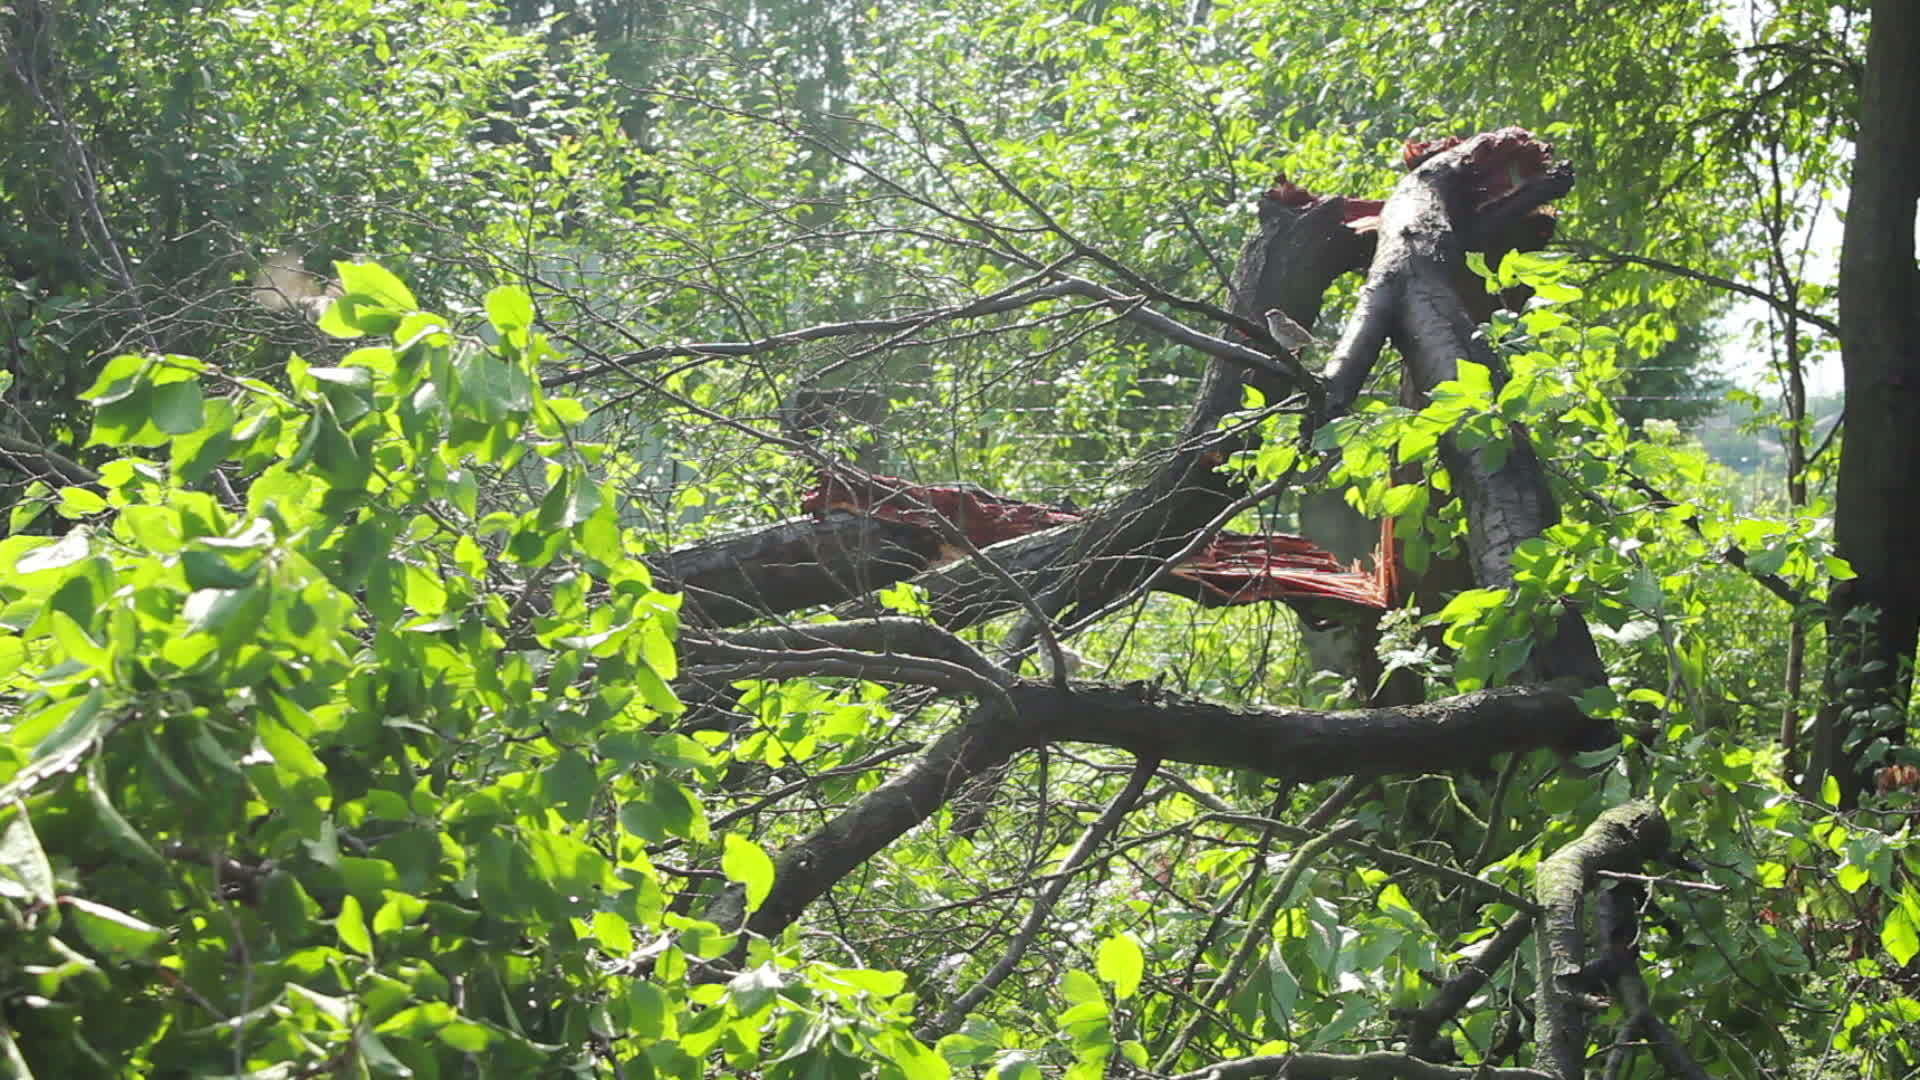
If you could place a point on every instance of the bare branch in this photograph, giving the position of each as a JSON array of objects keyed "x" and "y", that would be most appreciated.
[
  {"x": 1779, "y": 304},
  {"x": 1090, "y": 841},
  {"x": 25, "y": 457},
  {"x": 1255, "y": 937}
]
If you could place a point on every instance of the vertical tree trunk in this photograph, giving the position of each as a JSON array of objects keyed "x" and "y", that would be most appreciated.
[{"x": 1877, "y": 520}]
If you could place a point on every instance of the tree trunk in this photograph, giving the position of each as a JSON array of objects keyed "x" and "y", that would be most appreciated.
[{"x": 1876, "y": 615}]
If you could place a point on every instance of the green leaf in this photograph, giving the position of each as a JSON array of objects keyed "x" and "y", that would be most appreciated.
[
  {"x": 78, "y": 502},
  {"x": 25, "y": 873},
  {"x": 337, "y": 320},
  {"x": 509, "y": 308},
  {"x": 210, "y": 610},
  {"x": 127, "y": 421},
  {"x": 351, "y": 378},
  {"x": 120, "y": 834},
  {"x": 118, "y": 379},
  {"x": 466, "y": 1036},
  {"x": 1015, "y": 1065},
  {"x": 111, "y": 931},
  {"x": 398, "y": 910},
  {"x": 569, "y": 784},
  {"x": 287, "y": 906},
  {"x": 291, "y": 754},
  {"x": 680, "y": 809},
  {"x": 207, "y": 570},
  {"x": 84, "y": 722},
  {"x": 1121, "y": 962},
  {"x": 76, "y": 642},
  {"x": 157, "y": 528},
  {"x": 1900, "y": 931},
  {"x": 351, "y": 925},
  {"x": 744, "y": 861},
  {"x": 1477, "y": 263},
  {"x": 1405, "y": 500},
  {"x": 1080, "y": 988},
  {"x": 914, "y": 1060},
  {"x": 656, "y": 650},
  {"x": 178, "y": 408},
  {"x": 376, "y": 283},
  {"x": 66, "y": 551}
]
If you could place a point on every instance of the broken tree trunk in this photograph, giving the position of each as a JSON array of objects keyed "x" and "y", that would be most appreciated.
[{"x": 1486, "y": 193}]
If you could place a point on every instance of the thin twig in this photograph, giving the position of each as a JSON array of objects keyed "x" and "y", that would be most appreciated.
[{"x": 1095, "y": 835}]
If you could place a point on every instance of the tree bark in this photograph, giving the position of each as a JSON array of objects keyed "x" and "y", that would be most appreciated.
[
  {"x": 1620, "y": 839},
  {"x": 1476, "y": 195},
  {"x": 1877, "y": 518},
  {"x": 1287, "y": 744}
]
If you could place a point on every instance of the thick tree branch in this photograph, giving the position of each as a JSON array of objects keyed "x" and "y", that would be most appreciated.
[
  {"x": 893, "y": 634},
  {"x": 1289, "y": 744},
  {"x": 1620, "y": 839},
  {"x": 38, "y": 461},
  {"x": 1413, "y": 296},
  {"x": 846, "y": 664},
  {"x": 1305, "y": 745},
  {"x": 795, "y": 564}
]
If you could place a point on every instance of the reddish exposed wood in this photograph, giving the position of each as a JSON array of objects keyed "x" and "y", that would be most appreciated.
[
  {"x": 1236, "y": 568},
  {"x": 984, "y": 517},
  {"x": 1360, "y": 215}
]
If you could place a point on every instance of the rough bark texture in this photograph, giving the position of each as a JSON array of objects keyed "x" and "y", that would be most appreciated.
[
  {"x": 1483, "y": 187},
  {"x": 1288, "y": 744},
  {"x": 1304, "y": 745},
  {"x": 1621, "y": 839},
  {"x": 795, "y": 564},
  {"x": 1876, "y": 517}
]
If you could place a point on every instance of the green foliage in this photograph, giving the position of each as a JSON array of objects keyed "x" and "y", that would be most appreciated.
[
  {"x": 285, "y": 791},
  {"x": 195, "y": 140},
  {"x": 338, "y": 730}
]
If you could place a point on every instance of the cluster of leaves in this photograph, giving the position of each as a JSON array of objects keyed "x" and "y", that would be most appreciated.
[
  {"x": 192, "y": 140},
  {"x": 292, "y": 779}
]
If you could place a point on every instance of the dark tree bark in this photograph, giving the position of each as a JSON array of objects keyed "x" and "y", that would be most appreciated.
[
  {"x": 1877, "y": 517},
  {"x": 795, "y": 564},
  {"x": 1287, "y": 744}
]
